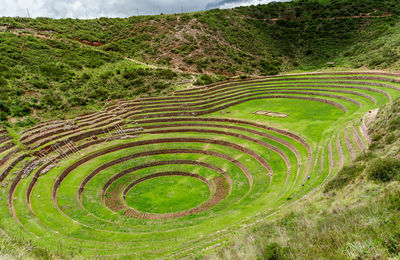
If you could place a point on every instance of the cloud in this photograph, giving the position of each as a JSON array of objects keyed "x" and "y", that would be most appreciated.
[
  {"x": 234, "y": 3},
  {"x": 111, "y": 8}
]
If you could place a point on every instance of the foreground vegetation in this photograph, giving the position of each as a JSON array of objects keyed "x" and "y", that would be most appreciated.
[{"x": 355, "y": 216}]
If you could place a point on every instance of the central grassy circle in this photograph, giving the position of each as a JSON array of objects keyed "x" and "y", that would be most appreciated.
[{"x": 167, "y": 194}]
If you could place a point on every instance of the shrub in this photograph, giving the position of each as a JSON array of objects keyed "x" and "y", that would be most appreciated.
[
  {"x": 159, "y": 85},
  {"x": 3, "y": 69},
  {"x": 204, "y": 80},
  {"x": 344, "y": 177},
  {"x": 3, "y": 116},
  {"x": 394, "y": 124},
  {"x": 136, "y": 82},
  {"x": 114, "y": 46},
  {"x": 274, "y": 251},
  {"x": 140, "y": 90},
  {"x": 130, "y": 75},
  {"x": 106, "y": 75},
  {"x": 40, "y": 84},
  {"x": 270, "y": 67},
  {"x": 77, "y": 101},
  {"x": 391, "y": 138},
  {"x": 21, "y": 110},
  {"x": 3, "y": 81},
  {"x": 52, "y": 100},
  {"x": 166, "y": 74},
  {"x": 27, "y": 122},
  {"x": 391, "y": 242},
  {"x": 393, "y": 200},
  {"x": 55, "y": 71},
  {"x": 95, "y": 63},
  {"x": 143, "y": 72},
  {"x": 385, "y": 170},
  {"x": 188, "y": 60},
  {"x": 4, "y": 107}
]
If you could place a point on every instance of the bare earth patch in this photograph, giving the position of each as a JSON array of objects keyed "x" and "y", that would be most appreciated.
[{"x": 270, "y": 113}]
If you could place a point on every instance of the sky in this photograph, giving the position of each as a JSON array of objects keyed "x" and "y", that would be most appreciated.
[{"x": 112, "y": 8}]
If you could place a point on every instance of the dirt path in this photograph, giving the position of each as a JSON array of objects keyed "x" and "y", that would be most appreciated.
[
  {"x": 161, "y": 67},
  {"x": 327, "y": 18},
  {"x": 340, "y": 151},
  {"x": 349, "y": 145},
  {"x": 50, "y": 35},
  {"x": 323, "y": 157},
  {"x": 331, "y": 161},
  {"x": 359, "y": 142}
]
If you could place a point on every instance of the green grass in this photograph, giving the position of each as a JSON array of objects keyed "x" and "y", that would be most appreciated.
[
  {"x": 168, "y": 194},
  {"x": 236, "y": 151}
]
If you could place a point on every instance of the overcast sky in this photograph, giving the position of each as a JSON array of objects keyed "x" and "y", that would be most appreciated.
[{"x": 111, "y": 8}]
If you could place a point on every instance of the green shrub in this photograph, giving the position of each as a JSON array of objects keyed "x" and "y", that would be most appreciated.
[
  {"x": 77, "y": 101},
  {"x": 393, "y": 199},
  {"x": 274, "y": 251},
  {"x": 40, "y": 84},
  {"x": 106, "y": 75},
  {"x": 3, "y": 116},
  {"x": 26, "y": 122},
  {"x": 269, "y": 67},
  {"x": 391, "y": 242},
  {"x": 394, "y": 124},
  {"x": 4, "y": 107},
  {"x": 204, "y": 80},
  {"x": 159, "y": 85},
  {"x": 385, "y": 170},
  {"x": 140, "y": 91},
  {"x": 166, "y": 74},
  {"x": 52, "y": 100},
  {"x": 4, "y": 69},
  {"x": 143, "y": 72},
  {"x": 344, "y": 177},
  {"x": 55, "y": 71},
  {"x": 188, "y": 61},
  {"x": 130, "y": 75},
  {"x": 391, "y": 138},
  {"x": 21, "y": 110},
  {"x": 95, "y": 63},
  {"x": 3, "y": 81},
  {"x": 136, "y": 82}
]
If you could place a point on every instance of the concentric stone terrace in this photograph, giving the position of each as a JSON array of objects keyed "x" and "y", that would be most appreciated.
[{"x": 171, "y": 176}]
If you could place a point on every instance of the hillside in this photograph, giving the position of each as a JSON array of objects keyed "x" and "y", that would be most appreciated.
[
  {"x": 219, "y": 134},
  {"x": 48, "y": 57}
]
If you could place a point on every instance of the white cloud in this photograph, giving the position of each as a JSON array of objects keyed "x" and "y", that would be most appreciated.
[
  {"x": 110, "y": 8},
  {"x": 243, "y": 3}
]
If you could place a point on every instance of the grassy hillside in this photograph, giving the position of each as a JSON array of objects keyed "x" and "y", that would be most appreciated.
[
  {"x": 51, "y": 65},
  {"x": 300, "y": 33},
  {"x": 50, "y": 77}
]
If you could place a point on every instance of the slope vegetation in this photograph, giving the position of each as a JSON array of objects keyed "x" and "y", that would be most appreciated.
[{"x": 69, "y": 64}]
